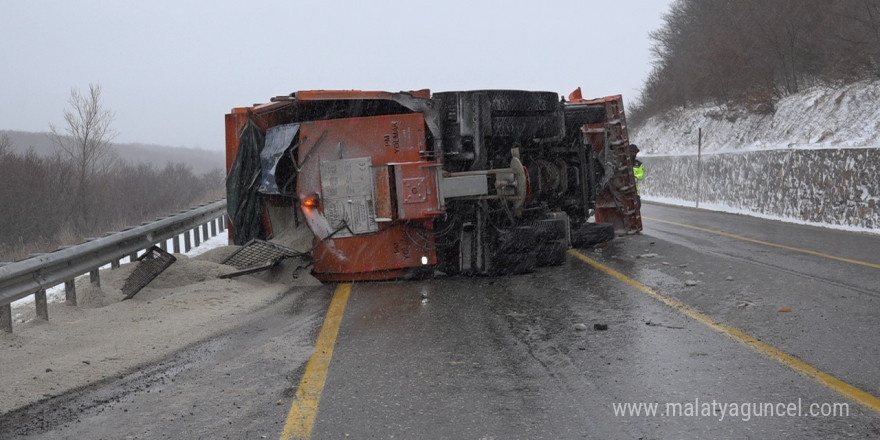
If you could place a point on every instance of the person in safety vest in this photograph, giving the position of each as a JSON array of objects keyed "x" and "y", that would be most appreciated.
[{"x": 638, "y": 171}]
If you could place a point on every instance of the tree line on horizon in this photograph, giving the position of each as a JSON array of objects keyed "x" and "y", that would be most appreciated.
[
  {"x": 84, "y": 189},
  {"x": 753, "y": 52}
]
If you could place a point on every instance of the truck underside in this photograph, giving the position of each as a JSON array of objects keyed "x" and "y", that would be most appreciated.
[{"x": 486, "y": 182}]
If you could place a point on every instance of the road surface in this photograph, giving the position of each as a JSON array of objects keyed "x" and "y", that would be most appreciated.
[{"x": 706, "y": 325}]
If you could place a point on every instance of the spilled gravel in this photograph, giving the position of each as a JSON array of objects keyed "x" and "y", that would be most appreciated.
[{"x": 105, "y": 337}]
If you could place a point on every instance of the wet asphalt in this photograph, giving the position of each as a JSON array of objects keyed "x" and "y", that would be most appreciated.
[{"x": 546, "y": 355}]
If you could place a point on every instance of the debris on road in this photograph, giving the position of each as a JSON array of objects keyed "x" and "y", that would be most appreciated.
[
  {"x": 257, "y": 256},
  {"x": 691, "y": 283},
  {"x": 153, "y": 262},
  {"x": 657, "y": 324},
  {"x": 600, "y": 327}
]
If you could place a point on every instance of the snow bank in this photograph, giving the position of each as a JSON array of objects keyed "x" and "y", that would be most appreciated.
[
  {"x": 814, "y": 160},
  {"x": 821, "y": 117}
]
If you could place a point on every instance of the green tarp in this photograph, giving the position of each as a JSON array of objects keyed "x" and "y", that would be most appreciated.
[{"x": 243, "y": 203}]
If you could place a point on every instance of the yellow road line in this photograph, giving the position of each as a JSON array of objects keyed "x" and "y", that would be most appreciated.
[
  {"x": 766, "y": 243},
  {"x": 301, "y": 418},
  {"x": 794, "y": 363}
]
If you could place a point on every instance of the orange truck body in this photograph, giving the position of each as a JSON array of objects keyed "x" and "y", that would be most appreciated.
[{"x": 403, "y": 184}]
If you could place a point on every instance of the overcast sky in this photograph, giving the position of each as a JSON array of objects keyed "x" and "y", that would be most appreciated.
[{"x": 170, "y": 70}]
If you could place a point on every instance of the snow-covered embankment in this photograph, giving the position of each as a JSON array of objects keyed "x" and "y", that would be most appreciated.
[{"x": 814, "y": 160}]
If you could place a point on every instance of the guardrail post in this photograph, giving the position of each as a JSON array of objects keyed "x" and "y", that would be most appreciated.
[
  {"x": 6, "y": 318},
  {"x": 163, "y": 245},
  {"x": 222, "y": 221},
  {"x": 42, "y": 304},
  {"x": 70, "y": 292},
  {"x": 213, "y": 226},
  {"x": 24, "y": 278},
  {"x": 186, "y": 241},
  {"x": 176, "y": 242},
  {"x": 94, "y": 277}
]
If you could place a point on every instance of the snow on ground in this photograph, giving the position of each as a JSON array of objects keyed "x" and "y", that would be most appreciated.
[
  {"x": 814, "y": 160},
  {"x": 718, "y": 207},
  {"x": 820, "y": 117}
]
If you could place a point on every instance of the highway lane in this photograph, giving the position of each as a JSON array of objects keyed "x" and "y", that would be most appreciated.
[
  {"x": 834, "y": 303},
  {"x": 501, "y": 358},
  {"x": 518, "y": 332}
]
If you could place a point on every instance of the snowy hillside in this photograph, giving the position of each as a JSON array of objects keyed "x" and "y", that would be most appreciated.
[
  {"x": 821, "y": 117},
  {"x": 814, "y": 160}
]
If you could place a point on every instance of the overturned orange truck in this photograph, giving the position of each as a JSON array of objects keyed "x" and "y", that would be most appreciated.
[{"x": 394, "y": 185}]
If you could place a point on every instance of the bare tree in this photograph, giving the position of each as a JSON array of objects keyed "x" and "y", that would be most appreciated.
[
  {"x": 85, "y": 142},
  {"x": 34, "y": 188},
  {"x": 750, "y": 53}
]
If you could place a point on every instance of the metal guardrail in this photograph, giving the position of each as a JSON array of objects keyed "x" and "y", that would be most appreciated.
[{"x": 34, "y": 275}]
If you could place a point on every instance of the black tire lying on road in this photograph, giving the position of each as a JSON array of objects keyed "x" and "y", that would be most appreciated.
[{"x": 591, "y": 234}]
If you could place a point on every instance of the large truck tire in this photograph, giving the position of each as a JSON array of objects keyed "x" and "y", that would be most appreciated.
[
  {"x": 515, "y": 251},
  {"x": 525, "y": 115},
  {"x": 578, "y": 115},
  {"x": 517, "y": 240},
  {"x": 551, "y": 253},
  {"x": 521, "y": 101},
  {"x": 528, "y": 127},
  {"x": 591, "y": 234},
  {"x": 551, "y": 229}
]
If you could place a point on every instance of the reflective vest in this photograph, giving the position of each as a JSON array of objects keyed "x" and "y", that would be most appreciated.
[{"x": 639, "y": 172}]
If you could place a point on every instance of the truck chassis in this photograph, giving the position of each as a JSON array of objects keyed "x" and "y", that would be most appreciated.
[{"x": 394, "y": 185}]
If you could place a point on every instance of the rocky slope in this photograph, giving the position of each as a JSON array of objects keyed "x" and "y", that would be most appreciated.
[{"x": 814, "y": 158}]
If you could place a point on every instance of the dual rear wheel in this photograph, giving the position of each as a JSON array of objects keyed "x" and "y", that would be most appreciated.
[{"x": 523, "y": 248}]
